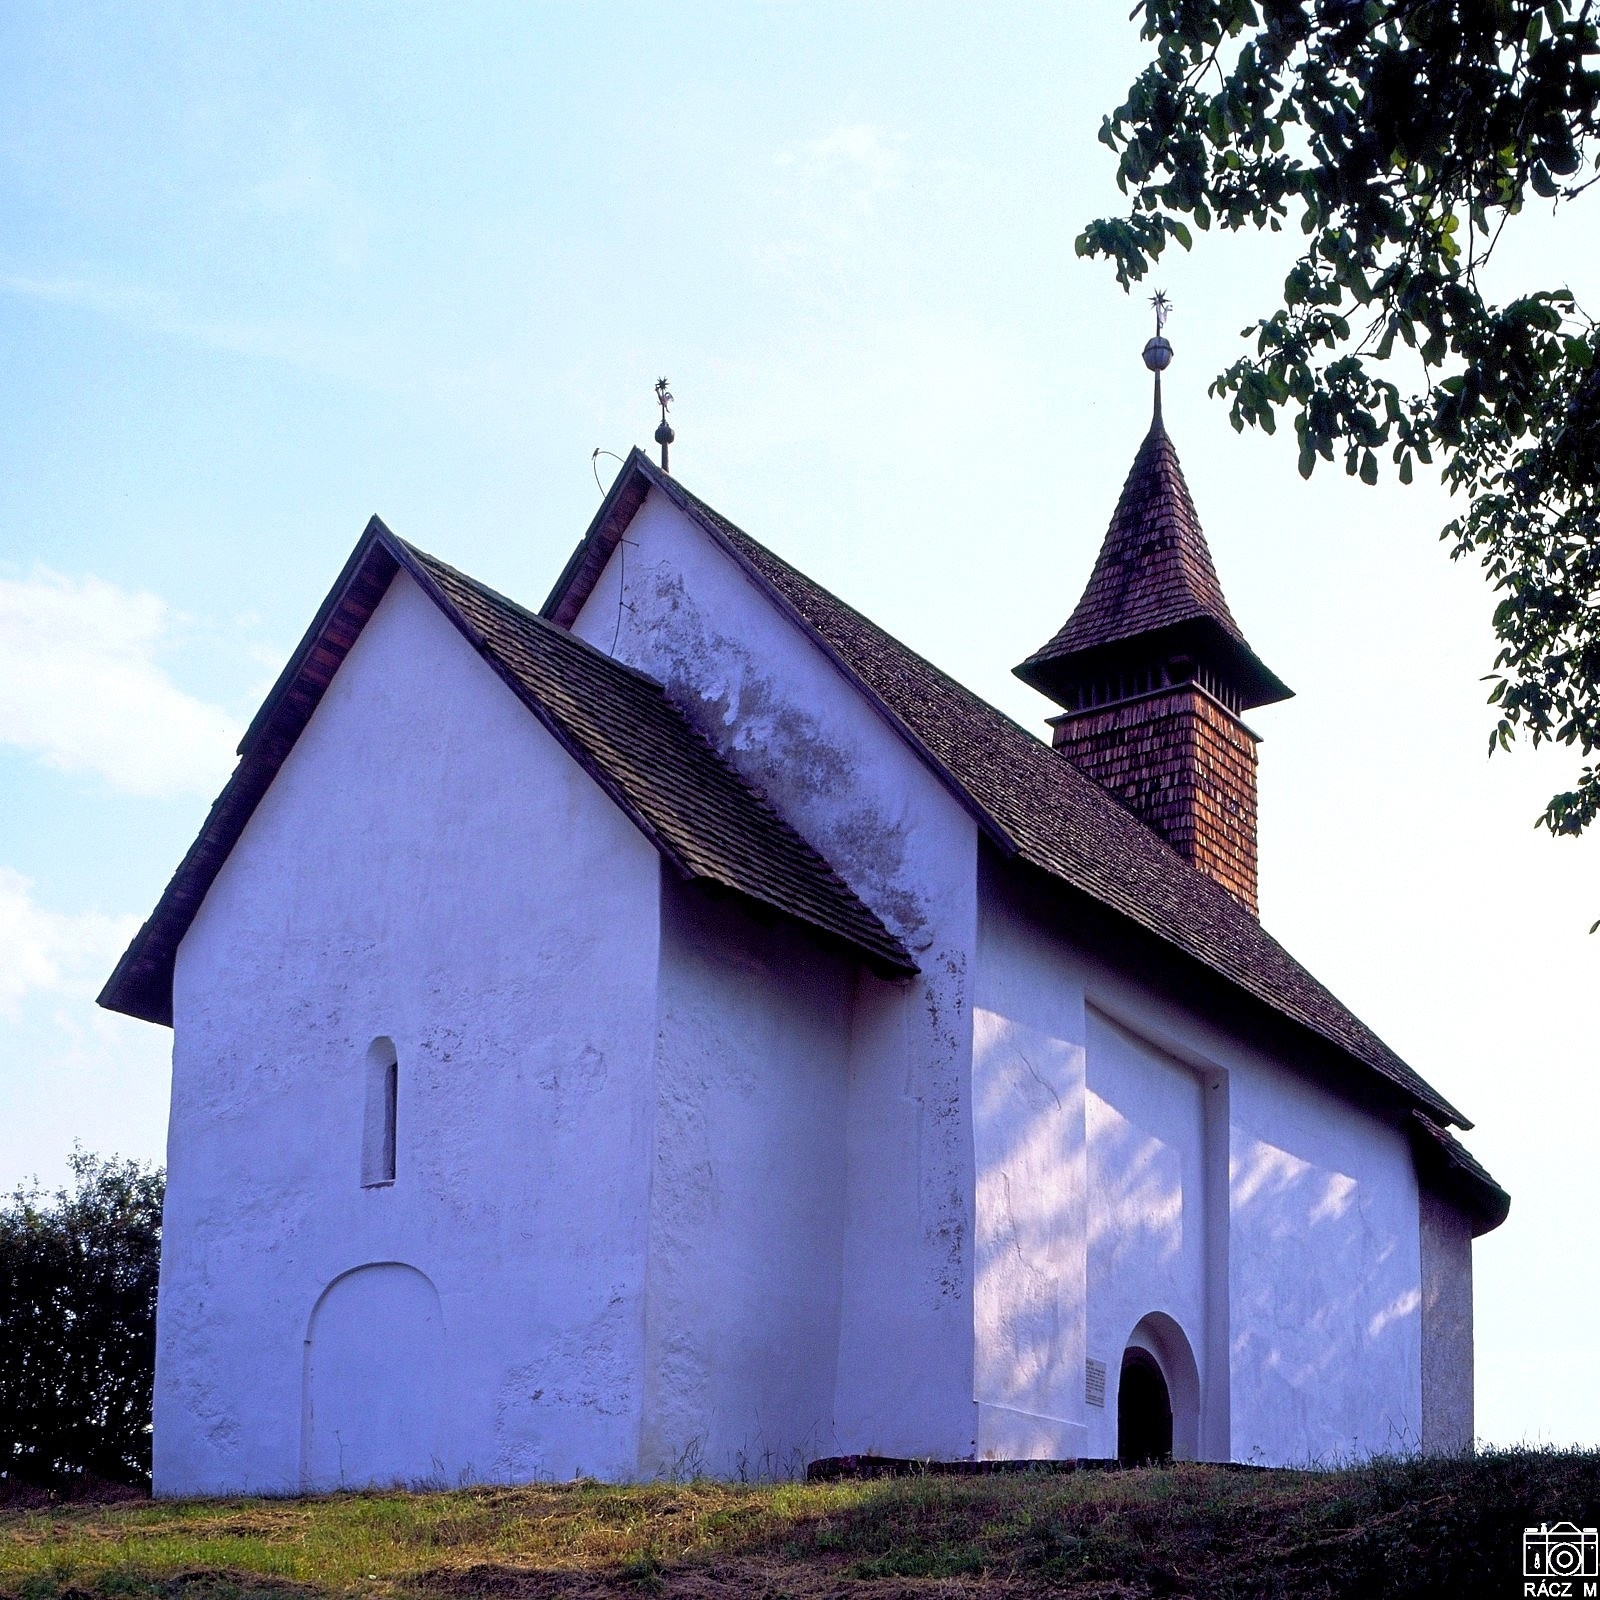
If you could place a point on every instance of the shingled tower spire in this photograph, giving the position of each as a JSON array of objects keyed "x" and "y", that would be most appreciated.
[{"x": 1154, "y": 672}]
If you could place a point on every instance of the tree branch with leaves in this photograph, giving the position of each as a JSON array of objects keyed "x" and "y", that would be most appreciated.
[{"x": 1401, "y": 138}]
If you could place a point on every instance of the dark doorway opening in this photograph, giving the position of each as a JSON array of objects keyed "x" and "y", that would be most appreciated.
[{"x": 1144, "y": 1411}]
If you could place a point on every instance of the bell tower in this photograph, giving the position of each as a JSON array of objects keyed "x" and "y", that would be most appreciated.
[{"x": 1154, "y": 674}]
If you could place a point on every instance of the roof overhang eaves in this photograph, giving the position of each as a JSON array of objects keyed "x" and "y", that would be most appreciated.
[
  {"x": 585, "y": 564},
  {"x": 374, "y": 536},
  {"x": 1055, "y": 671},
  {"x": 140, "y": 984},
  {"x": 1446, "y": 1168},
  {"x": 583, "y": 569},
  {"x": 895, "y": 965}
]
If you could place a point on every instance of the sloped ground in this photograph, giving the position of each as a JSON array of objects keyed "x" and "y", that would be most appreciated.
[{"x": 1392, "y": 1527}]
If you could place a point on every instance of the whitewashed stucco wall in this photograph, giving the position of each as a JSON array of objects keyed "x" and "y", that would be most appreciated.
[
  {"x": 432, "y": 867},
  {"x": 747, "y": 1193},
  {"x": 1326, "y": 1276},
  {"x": 674, "y": 604},
  {"x": 1447, "y": 1345},
  {"x": 1274, "y": 1222},
  {"x": 1031, "y": 1222},
  {"x": 675, "y": 1185}
]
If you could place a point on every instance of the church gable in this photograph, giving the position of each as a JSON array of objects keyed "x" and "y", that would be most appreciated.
[{"x": 435, "y": 917}]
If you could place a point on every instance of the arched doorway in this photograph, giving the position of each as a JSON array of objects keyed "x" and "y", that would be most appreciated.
[
  {"x": 1158, "y": 1396},
  {"x": 1144, "y": 1411},
  {"x": 374, "y": 1364}
]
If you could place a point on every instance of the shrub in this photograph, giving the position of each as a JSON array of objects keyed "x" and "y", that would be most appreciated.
[{"x": 78, "y": 1272}]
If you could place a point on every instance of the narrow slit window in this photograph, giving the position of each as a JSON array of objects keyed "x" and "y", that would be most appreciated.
[{"x": 382, "y": 1104}]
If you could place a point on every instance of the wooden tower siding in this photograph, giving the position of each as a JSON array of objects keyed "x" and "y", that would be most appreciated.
[{"x": 1185, "y": 766}]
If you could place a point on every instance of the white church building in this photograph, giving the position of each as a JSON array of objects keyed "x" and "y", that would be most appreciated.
[{"x": 681, "y": 1028}]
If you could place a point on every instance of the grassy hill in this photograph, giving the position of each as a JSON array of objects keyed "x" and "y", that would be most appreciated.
[{"x": 1392, "y": 1527}]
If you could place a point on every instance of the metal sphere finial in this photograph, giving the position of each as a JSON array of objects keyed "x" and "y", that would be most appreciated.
[{"x": 1158, "y": 354}]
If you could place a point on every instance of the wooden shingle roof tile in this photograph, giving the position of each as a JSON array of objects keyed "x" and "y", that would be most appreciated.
[
  {"x": 1153, "y": 591},
  {"x": 1154, "y": 568}
]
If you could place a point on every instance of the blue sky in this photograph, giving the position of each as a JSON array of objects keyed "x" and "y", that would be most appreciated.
[{"x": 269, "y": 270}]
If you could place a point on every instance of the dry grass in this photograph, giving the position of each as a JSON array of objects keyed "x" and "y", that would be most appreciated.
[{"x": 1389, "y": 1528}]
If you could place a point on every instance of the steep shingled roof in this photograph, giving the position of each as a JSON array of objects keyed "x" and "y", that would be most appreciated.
[
  {"x": 616, "y": 722},
  {"x": 1154, "y": 577},
  {"x": 1031, "y": 802},
  {"x": 1155, "y": 567}
]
